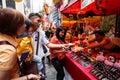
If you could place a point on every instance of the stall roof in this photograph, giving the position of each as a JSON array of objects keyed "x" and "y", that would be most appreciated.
[
  {"x": 72, "y": 7},
  {"x": 105, "y": 7}
]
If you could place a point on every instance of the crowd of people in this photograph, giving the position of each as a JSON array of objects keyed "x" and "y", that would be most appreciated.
[
  {"x": 11, "y": 25},
  {"x": 10, "y": 30},
  {"x": 15, "y": 29}
]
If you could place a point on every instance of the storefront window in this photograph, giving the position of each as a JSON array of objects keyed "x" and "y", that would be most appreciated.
[
  {"x": 28, "y": 3},
  {"x": 10, "y": 3},
  {"x": 0, "y": 4}
]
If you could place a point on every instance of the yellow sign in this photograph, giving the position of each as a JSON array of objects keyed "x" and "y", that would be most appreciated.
[{"x": 17, "y": 0}]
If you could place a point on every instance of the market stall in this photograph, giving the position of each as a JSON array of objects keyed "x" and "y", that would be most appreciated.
[{"x": 82, "y": 66}]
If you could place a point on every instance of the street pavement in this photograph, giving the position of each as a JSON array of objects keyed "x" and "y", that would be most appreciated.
[{"x": 50, "y": 72}]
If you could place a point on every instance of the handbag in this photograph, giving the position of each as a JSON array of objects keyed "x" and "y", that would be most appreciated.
[{"x": 29, "y": 68}]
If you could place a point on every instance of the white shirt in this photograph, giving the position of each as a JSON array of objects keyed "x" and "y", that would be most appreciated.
[{"x": 42, "y": 40}]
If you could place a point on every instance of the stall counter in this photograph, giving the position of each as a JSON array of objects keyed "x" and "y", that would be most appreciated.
[{"x": 76, "y": 70}]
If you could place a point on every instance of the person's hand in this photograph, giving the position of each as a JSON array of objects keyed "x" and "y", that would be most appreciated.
[
  {"x": 32, "y": 76},
  {"x": 67, "y": 46},
  {"x": 71, "y": 44},
  {"x": 65, "y": 50}
]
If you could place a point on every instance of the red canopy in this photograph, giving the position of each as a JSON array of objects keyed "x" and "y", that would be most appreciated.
[
  {"x": 99, "y": 7},
  {"x": 105, "y": 7},
  {"x": 73, "y": 7}
]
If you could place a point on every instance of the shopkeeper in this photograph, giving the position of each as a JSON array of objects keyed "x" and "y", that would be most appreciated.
[{"x": 103, "y": 42}]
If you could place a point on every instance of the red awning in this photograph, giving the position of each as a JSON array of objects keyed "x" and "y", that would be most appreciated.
[
  {"x": 73, "y": 7},
  {"x": 105, "y": 7}
]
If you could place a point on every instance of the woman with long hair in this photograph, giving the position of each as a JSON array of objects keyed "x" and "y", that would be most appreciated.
[{"x": 57, "y": 55}]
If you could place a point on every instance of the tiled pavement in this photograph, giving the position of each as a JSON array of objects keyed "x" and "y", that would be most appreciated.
[{"x": 50, "y": 72}]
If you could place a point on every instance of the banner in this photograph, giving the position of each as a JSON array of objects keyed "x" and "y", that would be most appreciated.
[
  {"x": 54, "y": 15},
  {"x": 86, "y": 3}
]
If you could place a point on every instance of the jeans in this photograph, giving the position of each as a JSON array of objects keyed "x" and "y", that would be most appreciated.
[{"x": 58, "y": 65}]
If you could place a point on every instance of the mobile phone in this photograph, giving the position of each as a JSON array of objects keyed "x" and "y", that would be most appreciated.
[
  {"x": 43, "y": 76},
  {"x": 24, "y": 56}
]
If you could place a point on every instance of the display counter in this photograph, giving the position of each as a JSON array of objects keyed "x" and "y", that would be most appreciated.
[
  {"x": 80, "y": 71},
  {"x": 76, "y": 70}
]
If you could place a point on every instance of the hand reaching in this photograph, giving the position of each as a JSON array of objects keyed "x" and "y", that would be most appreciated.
[
  {"x": 32, "y": 76},
  {"x": 67, "y": 46}
]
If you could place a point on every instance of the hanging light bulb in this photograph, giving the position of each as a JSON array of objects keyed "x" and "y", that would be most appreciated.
[{"x": 17, "y": 0}]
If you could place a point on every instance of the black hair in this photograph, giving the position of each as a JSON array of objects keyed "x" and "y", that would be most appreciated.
[
  {"x": 29, "y": 24},
  {"x": 99, "y": 32},
  {"x": 58, "y": 29},
  {"x": 113, "y": 57},
  {"x": 34, "y": 14}
]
